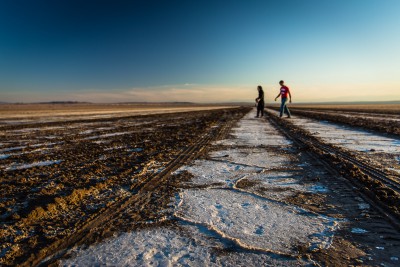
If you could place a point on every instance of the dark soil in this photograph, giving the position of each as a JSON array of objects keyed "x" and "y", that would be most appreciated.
[{"x": 95, "y": 164}]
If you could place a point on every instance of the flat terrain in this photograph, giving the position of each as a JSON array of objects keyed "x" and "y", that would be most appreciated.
[
  {"x": 36, "y": 113},
  {"x": 214, "y": 186},
  {"x": 369, "y": 108}
]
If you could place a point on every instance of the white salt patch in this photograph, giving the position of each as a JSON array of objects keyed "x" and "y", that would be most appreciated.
[
  {"x": 273, "y": 185},
  {"x": 86, "y": 132},
  {"x": 363, "y": 206},
  {"x": 101, "y": 142},
  {"x": 239, "y": 217},
  {"x": 26, "y": 130},
  {"x": 358, "y": 231},
  {"x": 169, "y": 247},
  {"x": 107, "y": 135},
  {"x": 207, "y": 172},
  {"x": 4, "y": 156},
  {"x": 138, "y": 149},
  {"x": 113, "y": 148},
  {"x": 45, "y": 144},
  {"x": 318, "y": 189},
  {"x": 36, "y": 164},
  {"x": 347, "y": 137},
  {"x": 12, "y": 149},
  {"x": 395, "y": 170},
  {"x": 105, "y": 128},
  {"x": 261, "y": 133},
  {"x": 256, "y": 157}
]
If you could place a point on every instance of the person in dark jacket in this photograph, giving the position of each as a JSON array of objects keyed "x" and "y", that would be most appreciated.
[{"x": 260, "y": 102}]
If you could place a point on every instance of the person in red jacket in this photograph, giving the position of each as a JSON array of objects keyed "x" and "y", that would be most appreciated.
[{"x": 284, "y": 92}]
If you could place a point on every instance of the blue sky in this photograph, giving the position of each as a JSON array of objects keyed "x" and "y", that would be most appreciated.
[{"x": 200, "y": 51}]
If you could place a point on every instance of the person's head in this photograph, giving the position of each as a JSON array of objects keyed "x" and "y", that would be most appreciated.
[
  {"x": 281, "y": 82},
  {"x": 259, "y": 88}
]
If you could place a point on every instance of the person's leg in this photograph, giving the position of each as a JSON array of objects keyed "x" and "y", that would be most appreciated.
[
  {"x": 287, "y": 111},
  {"x": 283, "y": 104},
  {"x": 258, "y": 110},
  {"x": 262, "y": 110}
]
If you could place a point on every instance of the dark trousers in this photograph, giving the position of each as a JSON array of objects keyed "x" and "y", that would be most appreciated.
[{"x": 260, "y": 109}]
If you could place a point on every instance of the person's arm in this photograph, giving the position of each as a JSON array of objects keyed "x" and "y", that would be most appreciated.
[
  {"x": 290, "y": 96},
  {"x": 278, "y": 96}
]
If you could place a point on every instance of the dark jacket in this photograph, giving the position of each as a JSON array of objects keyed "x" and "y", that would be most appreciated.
[{"x": 260, "y": 97}]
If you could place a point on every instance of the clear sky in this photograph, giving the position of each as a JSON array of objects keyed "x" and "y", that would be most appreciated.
[{"x": 198, "y": 51}]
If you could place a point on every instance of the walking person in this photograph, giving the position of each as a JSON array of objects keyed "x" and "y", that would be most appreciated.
[
  {"x": 284, "y": 92},
  {"x": 260, "y": 102}
]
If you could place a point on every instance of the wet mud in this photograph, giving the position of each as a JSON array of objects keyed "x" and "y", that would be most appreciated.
[{"x": 57, "y": 176}]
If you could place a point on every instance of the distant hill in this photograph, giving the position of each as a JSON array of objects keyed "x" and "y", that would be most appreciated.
[
  {"x": 62, "y": 102},
  {"x": 157, "y": 103}
]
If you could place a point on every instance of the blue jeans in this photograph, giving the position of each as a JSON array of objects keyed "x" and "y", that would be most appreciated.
[{"x": 284, "y": 108}]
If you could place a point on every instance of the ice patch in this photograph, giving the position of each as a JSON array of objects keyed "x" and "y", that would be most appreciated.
[
  {"x": 36, "y": 164},
  {"x": 235, "y": 216}
]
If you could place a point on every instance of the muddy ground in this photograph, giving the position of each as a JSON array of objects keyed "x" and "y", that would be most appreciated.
[{"x": 58, "y": 176}]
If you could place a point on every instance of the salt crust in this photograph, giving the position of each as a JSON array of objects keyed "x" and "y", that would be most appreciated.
[{"x": 254, "y": 222}]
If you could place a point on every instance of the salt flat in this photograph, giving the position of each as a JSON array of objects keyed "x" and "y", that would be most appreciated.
[{"x": 214, "y": 210}]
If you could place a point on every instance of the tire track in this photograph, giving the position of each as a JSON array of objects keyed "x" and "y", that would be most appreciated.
[
  {"x": 143, "y": 194},
  {"x": 375, "y": 184}
]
